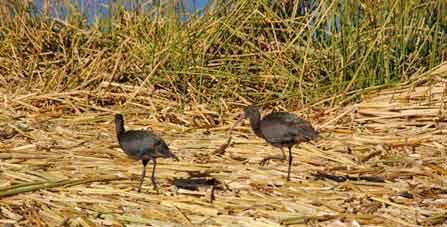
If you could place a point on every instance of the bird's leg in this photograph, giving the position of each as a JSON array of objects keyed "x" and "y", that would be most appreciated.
[
  {"x": 154, "y": 183},
  {"x": 143, "y": 174},
  {"x": 266, "y": 159},
  {"x": 290, "y": 163}
]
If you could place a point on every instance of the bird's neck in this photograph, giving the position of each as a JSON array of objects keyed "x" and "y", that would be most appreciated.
[
  {"x": 255, "y": 122},
  {"x": 119, "y": 127}
]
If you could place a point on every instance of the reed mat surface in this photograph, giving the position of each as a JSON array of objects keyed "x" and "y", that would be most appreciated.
[{"x": 381, "y": 161}]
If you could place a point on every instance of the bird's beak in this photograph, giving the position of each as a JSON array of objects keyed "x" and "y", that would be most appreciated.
[
  {"x": 238, "y": 121},
  {"x": 240, "y": 118}
]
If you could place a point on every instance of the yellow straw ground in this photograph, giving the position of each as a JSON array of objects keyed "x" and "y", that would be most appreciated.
[{"x": 387, "y": 151}]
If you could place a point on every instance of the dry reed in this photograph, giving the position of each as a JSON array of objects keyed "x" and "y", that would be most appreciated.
[{"x": 66, "y": 169}]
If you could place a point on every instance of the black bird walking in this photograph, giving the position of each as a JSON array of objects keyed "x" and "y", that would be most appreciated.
[
  {"x": 280, "y": 129},
  {"x": 142, "y": 145}
]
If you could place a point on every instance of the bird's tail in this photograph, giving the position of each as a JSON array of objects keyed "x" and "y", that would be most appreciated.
[
  {"x": 169, "y": 154},
  {"x": 310, "y": 133},
  {"x": 166, "y": 152},
  {"x": 174, "y": 157},
  {"x": 315, "y": 136}
]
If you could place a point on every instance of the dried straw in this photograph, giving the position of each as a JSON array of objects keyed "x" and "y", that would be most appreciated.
[{"x": 60, "y": 164}]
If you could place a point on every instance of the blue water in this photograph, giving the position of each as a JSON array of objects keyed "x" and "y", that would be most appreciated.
[{"x": 92, "y": 9}]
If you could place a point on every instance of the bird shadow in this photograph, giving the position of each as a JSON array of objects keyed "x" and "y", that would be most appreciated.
[
  {"x": 195, "y": 181},
  {"x": 201, "y": 184}
]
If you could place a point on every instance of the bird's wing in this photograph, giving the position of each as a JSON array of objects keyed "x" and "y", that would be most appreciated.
[
  {"x": 282, "y": 127},
  {"x": 141, "y": 144},
  {"x": 157, "y": 147}
]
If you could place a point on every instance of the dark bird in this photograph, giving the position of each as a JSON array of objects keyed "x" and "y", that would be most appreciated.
[
  {"x": 280, "y": 129},
  {"x": 142, "y": 145}
]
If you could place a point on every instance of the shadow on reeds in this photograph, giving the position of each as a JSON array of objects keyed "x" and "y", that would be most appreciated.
[
  {"x": 195, "y": 181},
  {"x": 197, "y": 184}
]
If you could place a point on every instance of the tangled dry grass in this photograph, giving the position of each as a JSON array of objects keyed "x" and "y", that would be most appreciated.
[{"x": 380, "y": 162}]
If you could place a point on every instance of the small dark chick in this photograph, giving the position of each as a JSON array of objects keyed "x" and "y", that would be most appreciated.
[
  {"x": 280, "y": 129},
  {"x": 142, "y": 145}
]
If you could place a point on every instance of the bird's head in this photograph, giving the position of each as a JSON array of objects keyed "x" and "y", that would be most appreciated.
[
  {"x": 249, "y": 112},
  {"x": 118, "y": 117}
]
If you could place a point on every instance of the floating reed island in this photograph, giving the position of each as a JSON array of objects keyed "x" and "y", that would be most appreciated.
[
  {"x": 370, "y": 78},
  {"x": 380, "y": 161}
]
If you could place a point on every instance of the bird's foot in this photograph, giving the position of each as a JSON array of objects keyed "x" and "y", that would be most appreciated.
[
  {"x": 155, "y": 185},
  {"x": 264, "y": 161}
]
